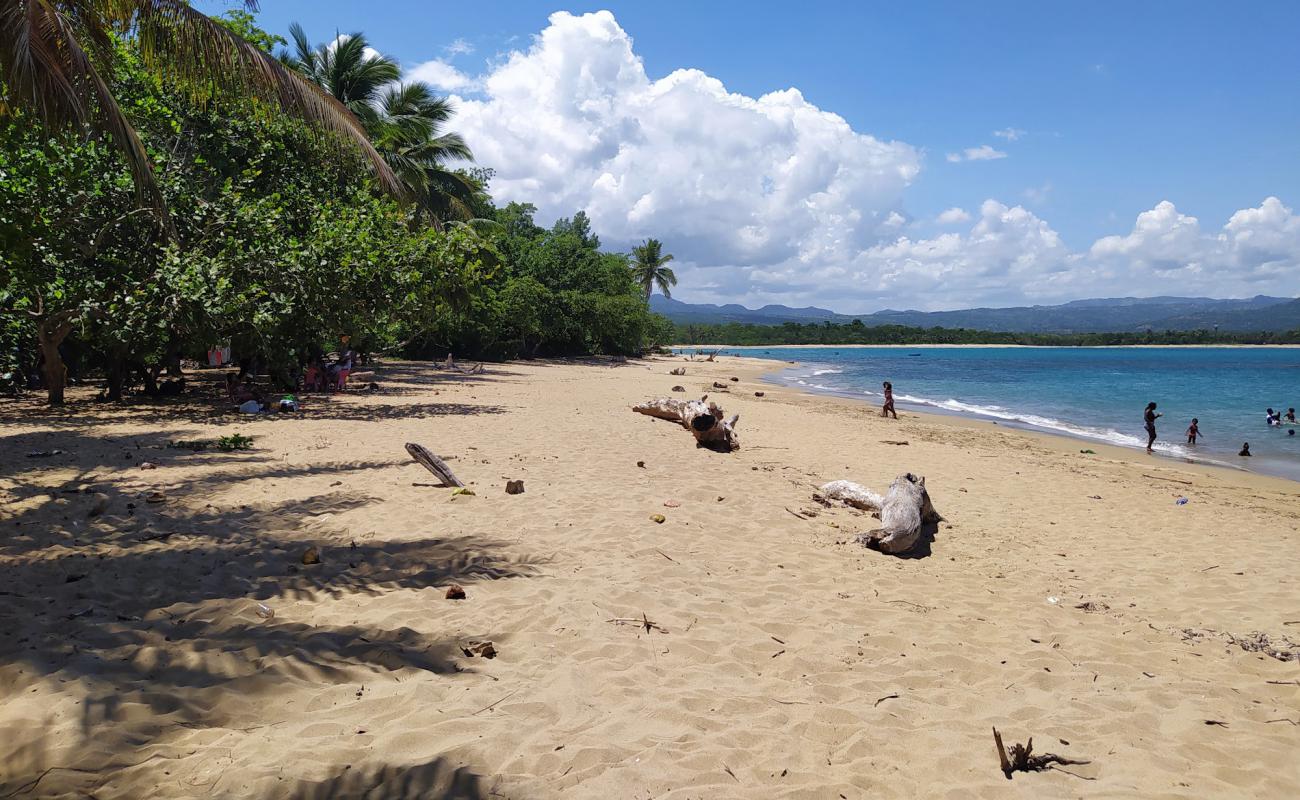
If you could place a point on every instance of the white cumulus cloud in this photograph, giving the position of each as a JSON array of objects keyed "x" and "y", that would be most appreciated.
[
  {"x": 1010, "y": 256},
  {"x": 771, "y": 199},
  {"x": 1010, "y": 134},
  {"x": 440, "y": 75},
  {"x": 982, "y": 153},
  {"x": 574, "y": 122}
]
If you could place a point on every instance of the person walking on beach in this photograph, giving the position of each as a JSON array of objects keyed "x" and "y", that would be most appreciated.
[
  {"x": 888, "y": 407},
  {"x": 1149, "y": 419},
  {"x": 1193, "y": 431}
]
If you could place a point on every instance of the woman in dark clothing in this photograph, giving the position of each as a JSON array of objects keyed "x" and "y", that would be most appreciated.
[{"x": 1149, "y": 418}]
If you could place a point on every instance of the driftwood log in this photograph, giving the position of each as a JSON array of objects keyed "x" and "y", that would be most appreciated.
[
  {"x": 904, "y": 513},
  {"x": 434, "y": 464},
  {"x": 852, "y": 494},
  {"x": 703, "y": 419},
  {"x": 677, "y": 371}
]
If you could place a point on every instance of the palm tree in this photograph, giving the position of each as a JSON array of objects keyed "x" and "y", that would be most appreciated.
[
  {"x": 56, "y": 57},
  {"x": 348, "y": 69},
  {"x": 409, "y": 136},
  {"x": 404, "y": 120},
  {"x": 648, "y": 268}
]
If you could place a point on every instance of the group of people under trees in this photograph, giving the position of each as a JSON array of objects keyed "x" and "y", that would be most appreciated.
[
  {"x": 1272, "y": 418},
  {"x": 315, "y": 373}
]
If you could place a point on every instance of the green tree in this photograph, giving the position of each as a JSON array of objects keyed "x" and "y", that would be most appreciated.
[
  {"x": 57, "y": 56},
  {"x": 409, "y": 134},
  {"x": 405, "y": 121},
  {"x": 649, "y": 268}
]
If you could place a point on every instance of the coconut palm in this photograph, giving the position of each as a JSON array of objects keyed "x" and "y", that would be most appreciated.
[
  {"x": 408, "y": 134},
  {"x": 56, "y": 57},
  {"x": 347, "y": 68},
  {"x": 405, "y": 120},
  {"x": 648, "y": 268}
]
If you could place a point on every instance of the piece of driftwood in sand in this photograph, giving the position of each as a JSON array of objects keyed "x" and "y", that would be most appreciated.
[
  {"x": 434, "y": 464},
  {"x": 903, "y": 515},
  {"x": 703, "y": 419},
  {"x": 852, "y": 494},
  {"x": 677, "y": 371}
]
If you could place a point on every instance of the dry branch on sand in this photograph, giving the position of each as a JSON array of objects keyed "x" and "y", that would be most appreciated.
[
  {"x": 1020, "y": 758},
  {"x": 704, "y": 420},
  {"x": 434, "y": 464}
]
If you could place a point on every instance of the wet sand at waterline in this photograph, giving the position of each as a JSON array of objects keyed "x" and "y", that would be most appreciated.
[{"x": 1066, "y": 597}]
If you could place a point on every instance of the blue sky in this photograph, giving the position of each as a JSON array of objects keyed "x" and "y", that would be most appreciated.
[{"x": 1106, "y": 110}]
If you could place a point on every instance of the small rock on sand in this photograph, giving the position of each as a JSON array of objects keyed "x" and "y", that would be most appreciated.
[
  {"x": 311, "y": 556},
  {"x": 455, "y": 592}
]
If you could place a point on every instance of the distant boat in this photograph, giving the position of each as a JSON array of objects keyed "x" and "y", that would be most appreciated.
[{"x": 913, "y": 355}]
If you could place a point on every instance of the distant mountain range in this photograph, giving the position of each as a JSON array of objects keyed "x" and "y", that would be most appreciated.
[{"x": 1260, "y": 313}]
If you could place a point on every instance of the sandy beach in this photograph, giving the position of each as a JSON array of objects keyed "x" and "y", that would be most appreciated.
[{"x": 744, "y": 647}]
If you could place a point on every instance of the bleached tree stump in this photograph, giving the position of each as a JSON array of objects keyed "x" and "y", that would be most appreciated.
[
  {"x": 903, "y": 514},
  {"x": 704, "y": 420}
]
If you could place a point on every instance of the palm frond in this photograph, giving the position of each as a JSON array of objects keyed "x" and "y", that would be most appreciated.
[
  {"x": 209, "y": 60},
  {"x": 48, "y": 67}
]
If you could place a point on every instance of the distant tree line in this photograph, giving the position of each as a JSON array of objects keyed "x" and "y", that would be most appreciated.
[{"x": 855, "y": 332}]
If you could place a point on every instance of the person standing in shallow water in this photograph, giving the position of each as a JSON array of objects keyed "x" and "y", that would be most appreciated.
[
  {"x": 1149, "y": 419},
  {"x": 1193, "y": 430},
  {"x": 888, "y": 407}
]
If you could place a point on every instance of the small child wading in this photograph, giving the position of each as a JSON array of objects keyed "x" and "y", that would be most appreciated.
[
  {"x": 1193, "y": 431},
  {"x": 888, "y": 407}
]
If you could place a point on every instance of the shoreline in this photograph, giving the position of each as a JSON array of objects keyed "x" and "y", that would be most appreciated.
[
  {"x": 1058, "y": 441},
  {"x": 721, "y": 347},
  {"x": 933, "y": 414}
]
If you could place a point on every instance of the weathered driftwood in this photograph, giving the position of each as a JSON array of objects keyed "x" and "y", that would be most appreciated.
[
  {"x": 1021, "y": 758},
  {"x": 677, "y": 371},
  {"x": 906, "y": 509},
  {"x": 434, "y": 464},
  {"x": 852, "y": 494},
  {"x": 704, "y": 420}
]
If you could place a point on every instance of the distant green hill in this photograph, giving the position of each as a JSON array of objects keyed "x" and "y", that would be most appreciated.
[{"x": 1123, "y": 314}]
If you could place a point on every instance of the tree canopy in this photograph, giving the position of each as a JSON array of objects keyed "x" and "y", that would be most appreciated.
[{"x": 272, "y": 258}]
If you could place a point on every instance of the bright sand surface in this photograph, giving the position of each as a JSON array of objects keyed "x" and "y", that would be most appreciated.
[{"x": 1066, "y": 597}]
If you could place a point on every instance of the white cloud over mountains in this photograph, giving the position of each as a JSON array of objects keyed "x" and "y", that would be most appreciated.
[{"x": 772, "y": 199}]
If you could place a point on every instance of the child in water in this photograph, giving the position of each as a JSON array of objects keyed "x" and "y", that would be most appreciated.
[
  {"x": 1290, "y": 415},
  {"x": 1245, "y": 449},
  {"x": 1193, "y": 431},
  {"x": 888, "y": 407}
]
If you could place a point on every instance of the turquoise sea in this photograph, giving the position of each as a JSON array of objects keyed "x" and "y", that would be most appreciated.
[{"x": 1091, "y": 393}]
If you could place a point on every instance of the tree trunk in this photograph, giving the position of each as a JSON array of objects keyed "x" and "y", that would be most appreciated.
[
  {"x": 703, "y": 420},
  {"x": 903, "y": 516},
  {"x": 117, "y": 369},
  {"x": 50, "y": 333},
  {"x": 53, "y": 370}
]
